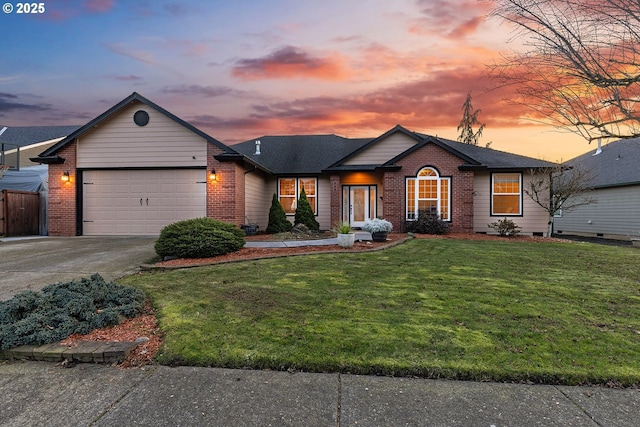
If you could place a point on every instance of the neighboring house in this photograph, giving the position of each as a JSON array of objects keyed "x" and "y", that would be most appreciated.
[
  {"x": 19, "y": 144},
  {"x": 614, "y": 214},
  {"x": 137, "y": 167}
]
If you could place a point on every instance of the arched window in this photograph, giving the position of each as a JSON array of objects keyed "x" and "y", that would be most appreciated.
[{"x": 430, "y": 192}]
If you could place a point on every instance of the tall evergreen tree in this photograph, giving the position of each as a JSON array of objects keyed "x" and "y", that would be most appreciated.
[
  {"x": 469, "y": 119},
  {"x": 304, "y": 213},
  {"x": 278, "y": 222}
]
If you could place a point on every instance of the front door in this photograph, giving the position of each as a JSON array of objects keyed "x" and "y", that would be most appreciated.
[{"x": 361, "y": 204}]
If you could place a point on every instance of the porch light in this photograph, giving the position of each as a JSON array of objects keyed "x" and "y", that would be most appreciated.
[
  {"x": 212, "y": 175},
  {"x": 65, "y": 176}
]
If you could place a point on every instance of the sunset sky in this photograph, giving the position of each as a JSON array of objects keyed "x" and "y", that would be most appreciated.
[{"x": 242, "y": 69}]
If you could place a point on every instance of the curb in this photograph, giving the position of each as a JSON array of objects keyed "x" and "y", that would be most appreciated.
[{"x": 84, "y": 351}]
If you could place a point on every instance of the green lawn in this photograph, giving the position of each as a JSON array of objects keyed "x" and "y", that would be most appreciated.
[{"x": 565, "y": 313}]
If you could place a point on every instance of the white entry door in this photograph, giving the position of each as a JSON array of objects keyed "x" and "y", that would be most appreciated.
[
  {"x": 140, "y": 202},
  {"x": 360, "y": 208}
]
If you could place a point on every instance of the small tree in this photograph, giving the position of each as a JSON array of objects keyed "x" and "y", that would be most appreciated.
[
  {"x": 278, "y": 222},
  {"x": 560, "y": 188},
  {"x": 469, "y": 119},
  {"x": 304, "y": 213}
]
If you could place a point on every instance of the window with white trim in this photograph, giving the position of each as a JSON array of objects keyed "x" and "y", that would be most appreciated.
[
  {"x": 289, "y": 190},
  {"x": 506, "y": 194},
  {"x": 428, "y": 191}
]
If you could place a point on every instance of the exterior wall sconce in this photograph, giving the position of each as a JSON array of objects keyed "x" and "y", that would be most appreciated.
[
  {"x": 65, "y": 176},
  {"x": 212, "y": 175}
]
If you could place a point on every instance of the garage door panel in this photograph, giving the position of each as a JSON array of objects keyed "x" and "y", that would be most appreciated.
[{"x": 140, "y": 202}]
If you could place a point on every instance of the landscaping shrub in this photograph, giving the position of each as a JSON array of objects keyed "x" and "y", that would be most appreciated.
[
  {"x": 63, "y": 309},
  {"x": 427, "y": 223},
  {"x": 278, "y": 222},
  {"x": 199, "y": 238},
  {"x": 505, "y": 227},
  {"x": 304, "y": 213}
]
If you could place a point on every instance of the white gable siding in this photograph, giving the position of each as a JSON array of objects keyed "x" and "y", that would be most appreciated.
[
  {"x": 119, "y": 142},
  {"x": 613, "y": 215},
  {"x": 383, "y": 150},
  {"x": 533, "y": 220}
]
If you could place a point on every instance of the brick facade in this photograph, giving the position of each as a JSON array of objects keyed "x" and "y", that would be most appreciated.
[
  {"x": 394, "y": 191},
  {"x": 62, "y": 209},
  {"x": 225, "y": 195}
]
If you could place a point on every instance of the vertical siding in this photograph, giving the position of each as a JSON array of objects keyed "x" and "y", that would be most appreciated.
[
  {"x": 119, "y": 142},
  {"x": 383, "y": 150},
  {"x": 614, "y": 214},
  {"x": 534, "y": 218}
]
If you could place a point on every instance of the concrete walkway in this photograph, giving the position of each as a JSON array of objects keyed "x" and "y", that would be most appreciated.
[
  {"x": 42, "y": 393},
  {"x": 360, "y": 236}
]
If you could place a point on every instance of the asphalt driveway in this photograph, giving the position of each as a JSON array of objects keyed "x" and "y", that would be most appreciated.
[{"x": 34, "y": 263}]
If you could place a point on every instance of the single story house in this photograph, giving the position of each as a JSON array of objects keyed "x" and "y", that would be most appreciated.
[
  {"x": 615, "y": 193},
  {"x": 137, "y": 167}
]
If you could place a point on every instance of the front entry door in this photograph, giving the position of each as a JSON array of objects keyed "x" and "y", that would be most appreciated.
[{"x": 360, "y": 205}]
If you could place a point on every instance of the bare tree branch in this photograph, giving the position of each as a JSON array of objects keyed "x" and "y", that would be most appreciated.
[
  {"x": 581, "y": 69},
  {"x": 560, "y": 188}
]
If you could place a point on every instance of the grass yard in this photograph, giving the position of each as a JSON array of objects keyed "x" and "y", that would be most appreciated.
[{"x": 560, "y": 313}]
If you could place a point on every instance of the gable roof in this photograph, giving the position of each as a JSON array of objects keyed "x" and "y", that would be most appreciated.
[
  {"x": 475, "y": 157},
  {"x": 23, "y": 136},
  {"x": 488, "y": 158},
  {"x": 299, "y": 154},
  {"x": 315, "y": 154},
  {"x": 616, "y": 165},
  {"x": 50, "y": 155}
]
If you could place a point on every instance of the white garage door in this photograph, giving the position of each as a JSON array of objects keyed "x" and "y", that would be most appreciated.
[{"x": 140, "y": 202}]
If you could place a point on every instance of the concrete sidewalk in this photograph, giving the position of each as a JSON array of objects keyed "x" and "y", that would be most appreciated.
[{"x": 40, "y": 393}]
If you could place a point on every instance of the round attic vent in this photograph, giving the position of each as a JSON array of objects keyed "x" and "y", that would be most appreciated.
[{"x": 141, "y": 118}]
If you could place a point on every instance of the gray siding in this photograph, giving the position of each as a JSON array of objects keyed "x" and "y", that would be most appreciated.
[
  {"x": 383, "y": 150},
  {"x": 615, "y": 215},
  {"x": 119, "y": 142},
  {"x": 533, "y": 220},
  {"x": 258, "y": 193}
]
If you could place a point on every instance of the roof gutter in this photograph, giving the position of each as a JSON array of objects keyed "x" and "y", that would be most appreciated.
[{"x": 48, "y": 160}]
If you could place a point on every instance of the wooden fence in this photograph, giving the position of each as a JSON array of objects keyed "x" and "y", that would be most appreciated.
[{"x": 20, "y": 213}]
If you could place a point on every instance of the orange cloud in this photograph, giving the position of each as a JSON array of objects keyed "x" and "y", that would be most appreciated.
[
  {"x": 433, "y": 102},
  {"x": 291, "y": 62}
]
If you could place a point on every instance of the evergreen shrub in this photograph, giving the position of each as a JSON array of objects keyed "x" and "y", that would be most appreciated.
[
  {"x": 278, "y": 222},
  {"x": 427, "y": 223},
  {"x": 199, "y": 238},
  {"x": 62, "y": 309},
  {"x": 304, "y": 213}
]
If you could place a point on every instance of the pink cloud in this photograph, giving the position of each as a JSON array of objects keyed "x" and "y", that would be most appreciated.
[
  {"x": 98, "y": 6},
  {"x": 453, "y": 19},
  {"x": 433, "y": 102},
  {"x": 291, "y": 62}
]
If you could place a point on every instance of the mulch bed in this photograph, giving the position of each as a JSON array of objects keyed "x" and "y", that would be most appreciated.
[{"x": 392, "y": 239}]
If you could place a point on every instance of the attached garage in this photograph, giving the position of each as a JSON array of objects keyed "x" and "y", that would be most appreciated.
[
  {"x": 137, "y": 168},
  {"x": 140, "y": 202}
]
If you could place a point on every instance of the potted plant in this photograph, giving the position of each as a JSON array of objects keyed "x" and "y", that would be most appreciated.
[
  {"x": 346, "y": 238},
  {"x": 378, "y": 228}
]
